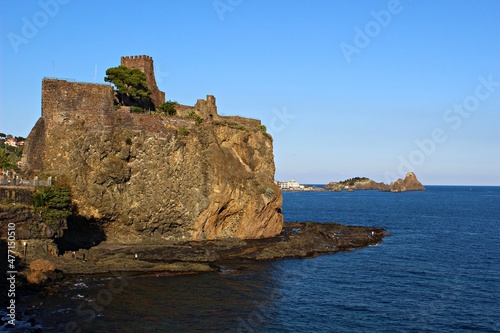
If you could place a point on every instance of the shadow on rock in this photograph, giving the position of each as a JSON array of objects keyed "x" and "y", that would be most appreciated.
[{"x": 82, "y": 233}]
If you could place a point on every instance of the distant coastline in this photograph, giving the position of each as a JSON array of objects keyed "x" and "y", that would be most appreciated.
[{"x": 409, "y": 183}]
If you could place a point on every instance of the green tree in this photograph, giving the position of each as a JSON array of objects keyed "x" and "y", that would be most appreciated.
[
  {"x": 132, "y": 87},
  {"x": 9, "y": 156},
  {"x": 53, "y": 203},
  {"x": 168, "y": 107},
  {"x": 5, "y": 160}
]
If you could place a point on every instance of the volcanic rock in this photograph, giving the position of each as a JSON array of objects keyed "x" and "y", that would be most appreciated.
[
  {"x": 152, "y": 177},
  {"x": 42, "y": 271},
  {"x": 410, "y": 183}
]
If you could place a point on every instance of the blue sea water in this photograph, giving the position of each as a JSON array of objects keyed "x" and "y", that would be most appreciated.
[{"x": 438, "y": 272}]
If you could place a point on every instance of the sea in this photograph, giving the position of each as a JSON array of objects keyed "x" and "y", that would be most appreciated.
[{"x": 438, "y": 272}]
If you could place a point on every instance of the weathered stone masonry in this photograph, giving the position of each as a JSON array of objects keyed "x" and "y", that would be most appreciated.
[{"x": 65, "y": 101}]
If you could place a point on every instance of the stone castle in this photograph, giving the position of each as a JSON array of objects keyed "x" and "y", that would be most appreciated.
[
  {"x": 68, "y": 101},
  {"x": 150, "y": 176},
  {"x": 92, "y": 106}
]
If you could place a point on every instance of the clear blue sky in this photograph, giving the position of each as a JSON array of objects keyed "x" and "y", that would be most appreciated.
[{"x": 347, "y": 88}]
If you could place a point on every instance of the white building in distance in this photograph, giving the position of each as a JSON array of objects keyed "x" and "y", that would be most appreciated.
[{"x": 290, "y": 185}]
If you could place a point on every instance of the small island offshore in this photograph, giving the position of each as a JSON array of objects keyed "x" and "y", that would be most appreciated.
[
  {"x": 409, "y": 183},
  {"x": 124, "y": 180}
]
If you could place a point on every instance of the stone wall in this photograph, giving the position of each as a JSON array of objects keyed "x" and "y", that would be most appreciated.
[
  {"x": 11, "y": 194},
  {"x": 66, "y": 102},
  {"x": 152, "y": 123},
  {"x": 249, "y": 122},
  {"x": 145, "y": 64},
  {"x": 207, "y": 108},
  {"x": 34, "y": 150}
]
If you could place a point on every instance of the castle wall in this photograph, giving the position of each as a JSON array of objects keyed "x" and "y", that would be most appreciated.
[
  {"x": 91, "y": 105},
  {"x": 64, "y": 101},
  {"x": 249, "y": 122},
  {"x": 145, "y": 64},
  {"x": 16, "y": 194},
  {"x": 207, "y": 108}
]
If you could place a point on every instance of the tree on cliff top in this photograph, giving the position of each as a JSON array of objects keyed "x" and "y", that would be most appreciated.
[{"x": 132, "y": 86}]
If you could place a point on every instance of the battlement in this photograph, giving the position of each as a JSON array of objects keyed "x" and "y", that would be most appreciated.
[
  {"x": 137, "y": 57},
  {"x": 145, "y": 64}
]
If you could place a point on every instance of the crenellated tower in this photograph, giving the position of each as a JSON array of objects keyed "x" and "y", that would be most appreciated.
[{"x": 145, "y": 64}]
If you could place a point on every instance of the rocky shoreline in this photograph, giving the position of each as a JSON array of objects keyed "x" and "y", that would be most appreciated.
[{"x": 297, "y": 240}]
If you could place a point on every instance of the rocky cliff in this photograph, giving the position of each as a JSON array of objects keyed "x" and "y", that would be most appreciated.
[
  {"x": 152, "y": 177},
  {"x": 410, "y": 183}
]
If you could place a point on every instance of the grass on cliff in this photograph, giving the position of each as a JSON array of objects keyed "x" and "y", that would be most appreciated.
[
  {"x": 231, "y": 124},
  {"x": 194, "y": 115},
  {"x": 183, "y": 130},
  {"x": 268, "y": 192}
]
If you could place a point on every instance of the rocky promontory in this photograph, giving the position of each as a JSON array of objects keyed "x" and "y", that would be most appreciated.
[
  {"x": 409, "y": 183},
  {"x": 192, "y": 176},
  {"x": 182, "y": 191},
  {"x": 297, "y": 240}
]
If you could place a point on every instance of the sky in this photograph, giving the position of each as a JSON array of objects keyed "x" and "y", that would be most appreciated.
[{"x": 346, "y": 88}]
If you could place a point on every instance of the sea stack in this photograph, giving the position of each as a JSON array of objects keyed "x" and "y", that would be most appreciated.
[{"x": 410, "y": 183}]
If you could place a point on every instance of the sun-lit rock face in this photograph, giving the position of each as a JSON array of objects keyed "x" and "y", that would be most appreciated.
[
  {"x": 153, "y": 176},
  {"x": 410, "y": 183}
]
